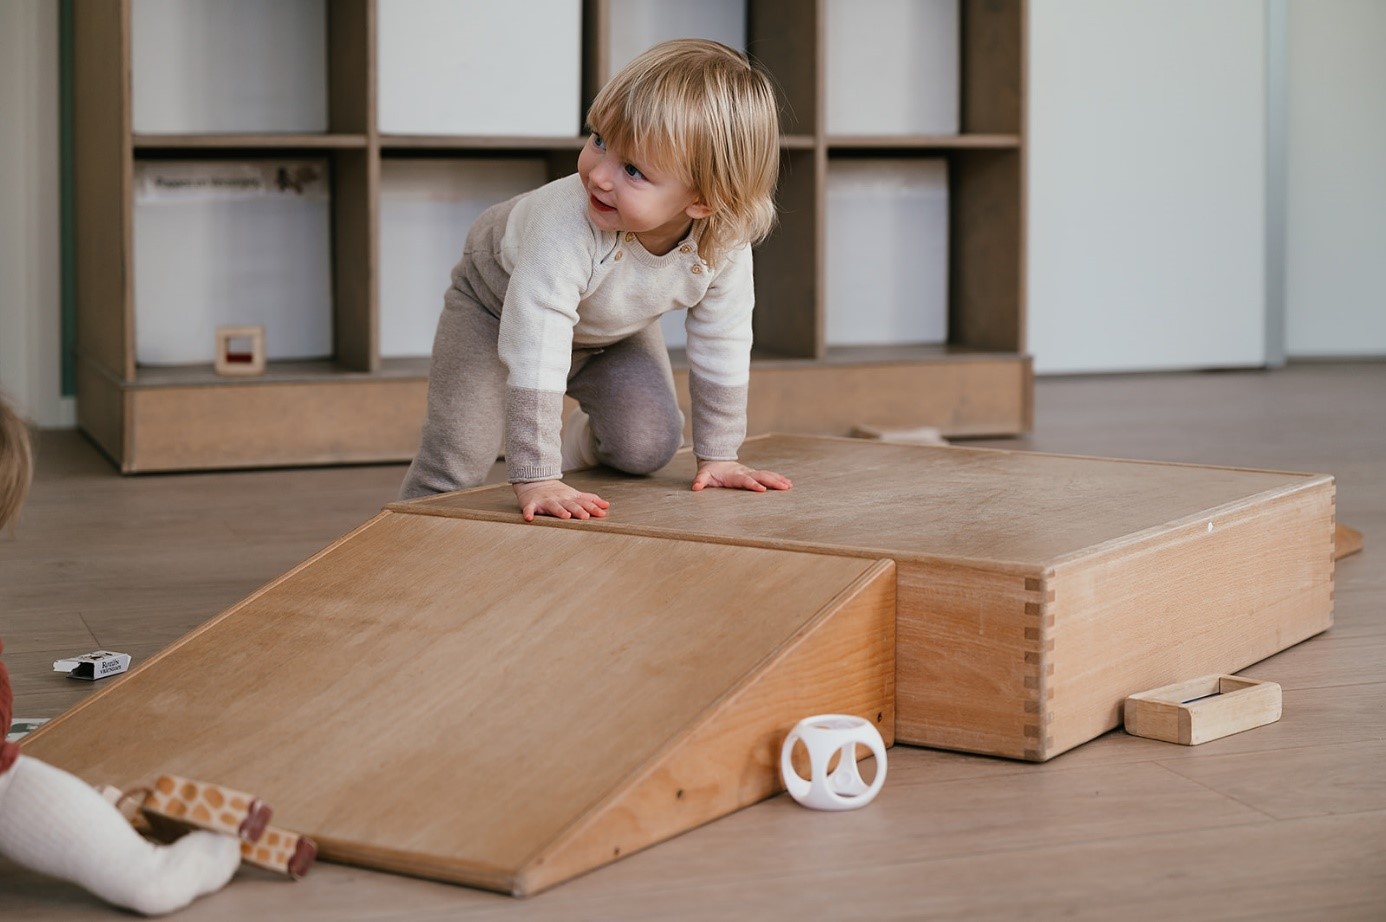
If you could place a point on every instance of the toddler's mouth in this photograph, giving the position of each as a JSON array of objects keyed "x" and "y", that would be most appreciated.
[{"x": 599, "y": 205}]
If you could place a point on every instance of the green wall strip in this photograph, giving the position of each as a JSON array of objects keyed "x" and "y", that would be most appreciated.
[{"x": 66, "y": 219}]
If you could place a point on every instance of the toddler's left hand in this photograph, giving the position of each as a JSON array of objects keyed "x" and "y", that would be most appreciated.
[{"x": 738, "y": 476}]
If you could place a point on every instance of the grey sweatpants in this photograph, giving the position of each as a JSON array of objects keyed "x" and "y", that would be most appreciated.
[{"x": 626, "y": 389}]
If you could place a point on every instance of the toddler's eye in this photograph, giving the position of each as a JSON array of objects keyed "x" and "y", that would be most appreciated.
[
  {"x": 634, "y": 172},
  {"x": 597, "y": 141}
]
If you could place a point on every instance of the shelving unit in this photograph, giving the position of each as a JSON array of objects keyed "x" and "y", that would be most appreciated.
[{"x": 361, "y": 406}]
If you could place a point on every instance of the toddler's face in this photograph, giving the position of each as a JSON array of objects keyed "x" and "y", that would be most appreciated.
[{"x": 625, "y": 195}]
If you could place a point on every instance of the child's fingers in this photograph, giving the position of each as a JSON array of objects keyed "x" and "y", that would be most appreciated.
[
  {"x": 773, "y": 480},
  {"x": 591, "y": 505},
  {"x": 564, "y": 509},
  {"x": 744, "y": 479},
  {"x": 575, "y": 506}
]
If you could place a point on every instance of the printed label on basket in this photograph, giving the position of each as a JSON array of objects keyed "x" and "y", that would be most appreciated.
[{"x": 221, "y": 181}]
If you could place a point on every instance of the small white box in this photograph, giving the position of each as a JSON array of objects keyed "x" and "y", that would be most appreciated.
[
  {"x": 232, "y": 243},
  {"x": 208, "y": 66},
  {"x": 887, "y": 243},
  {"x": 426, "y": 209},
  {"x": 479, "y": 67},
  {"x": 892, "y": 67},
  {"x": 92, "y": 666}
]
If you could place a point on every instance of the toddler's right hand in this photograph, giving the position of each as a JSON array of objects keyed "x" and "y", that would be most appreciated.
[{"x": 556, "y": 498}]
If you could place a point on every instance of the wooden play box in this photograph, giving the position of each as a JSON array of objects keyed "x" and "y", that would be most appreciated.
[{"x": 1035, "y": 592}]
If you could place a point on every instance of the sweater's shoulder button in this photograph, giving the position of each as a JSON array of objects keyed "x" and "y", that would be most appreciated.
[
  {"x": 618, "y": 255},
  {"x": 629, "y": 236},
  {"x": 685, "y": 249},
  {"x": 697, "y": 270}
]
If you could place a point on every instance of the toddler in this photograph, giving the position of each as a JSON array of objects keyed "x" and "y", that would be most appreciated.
[{"x": 560, "y": 290}]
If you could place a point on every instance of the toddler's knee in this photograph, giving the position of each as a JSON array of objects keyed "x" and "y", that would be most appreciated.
[{"x": 647, "y": 451}]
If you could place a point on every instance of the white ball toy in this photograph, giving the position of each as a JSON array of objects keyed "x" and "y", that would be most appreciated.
[{"x": 822, "y": 736}]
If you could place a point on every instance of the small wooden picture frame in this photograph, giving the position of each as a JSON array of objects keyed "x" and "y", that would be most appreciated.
[
  {"x": 240, "y": 350},
  {"x": 1202, "y": 709}
]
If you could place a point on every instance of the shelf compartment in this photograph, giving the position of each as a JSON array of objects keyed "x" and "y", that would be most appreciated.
[
  {"x": 963, "y": 395},
  {"x": 207, "y": 66},
  {"x": 244, "y": 242},
  {"x": 427, "y": 207},
  {"x": 448, "y": 68},
  {"x": 635, "y": 25},
  {"x": 892, "y": 68},
  {"x": 886, "y": 276}
]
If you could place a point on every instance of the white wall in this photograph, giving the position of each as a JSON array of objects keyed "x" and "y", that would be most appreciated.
[
  {"x": 1146, "y": 178},
  {"x": 1335, "y": 248},
  {"x": 30, "y": 277}
]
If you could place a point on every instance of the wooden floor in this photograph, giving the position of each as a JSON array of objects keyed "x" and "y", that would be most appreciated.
[{"x": 1283, "y": 822}]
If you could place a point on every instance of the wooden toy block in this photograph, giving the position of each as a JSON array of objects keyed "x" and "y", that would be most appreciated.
[
  {"x": 281, "y": 852},
  {"x": 277, "y": 850},
  {"x": 1202, "y": 709},
  {"x": 202, "y": 805},
  {"x": 1347, "y": 541},
  {"x": 240, "y": 350},
  {"x": 501, "y": 705},
  {"x": 919, "y": 435},
  {"x": 1036, "y": 591}
]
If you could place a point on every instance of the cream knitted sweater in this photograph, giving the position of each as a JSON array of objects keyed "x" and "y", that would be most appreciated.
[{"x": 559, "y": 283}]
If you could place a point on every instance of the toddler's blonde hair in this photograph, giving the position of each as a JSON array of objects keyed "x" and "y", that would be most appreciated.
[
  {"x": 704, "y": 113},
  {"x": 16, "y": 461}
]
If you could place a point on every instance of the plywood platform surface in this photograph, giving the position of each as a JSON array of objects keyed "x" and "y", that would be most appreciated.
[{"x": 910, "y": 501}]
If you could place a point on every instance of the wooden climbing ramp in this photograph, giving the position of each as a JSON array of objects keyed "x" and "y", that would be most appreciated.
[{"x": 497, "y": 704}]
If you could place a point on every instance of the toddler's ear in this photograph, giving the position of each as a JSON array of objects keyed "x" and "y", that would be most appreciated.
[{"x": 697, "y": 211}]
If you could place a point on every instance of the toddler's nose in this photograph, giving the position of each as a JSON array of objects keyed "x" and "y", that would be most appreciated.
[{"x": 601, "y": 176}]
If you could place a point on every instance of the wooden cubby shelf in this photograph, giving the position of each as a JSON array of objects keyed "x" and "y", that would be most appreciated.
[{"x": 927, "y": 331}]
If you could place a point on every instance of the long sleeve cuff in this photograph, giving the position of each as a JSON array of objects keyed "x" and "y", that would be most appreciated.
[
  {"x": 719, "y": 418},
  {"x": 533, "y": 423}
]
